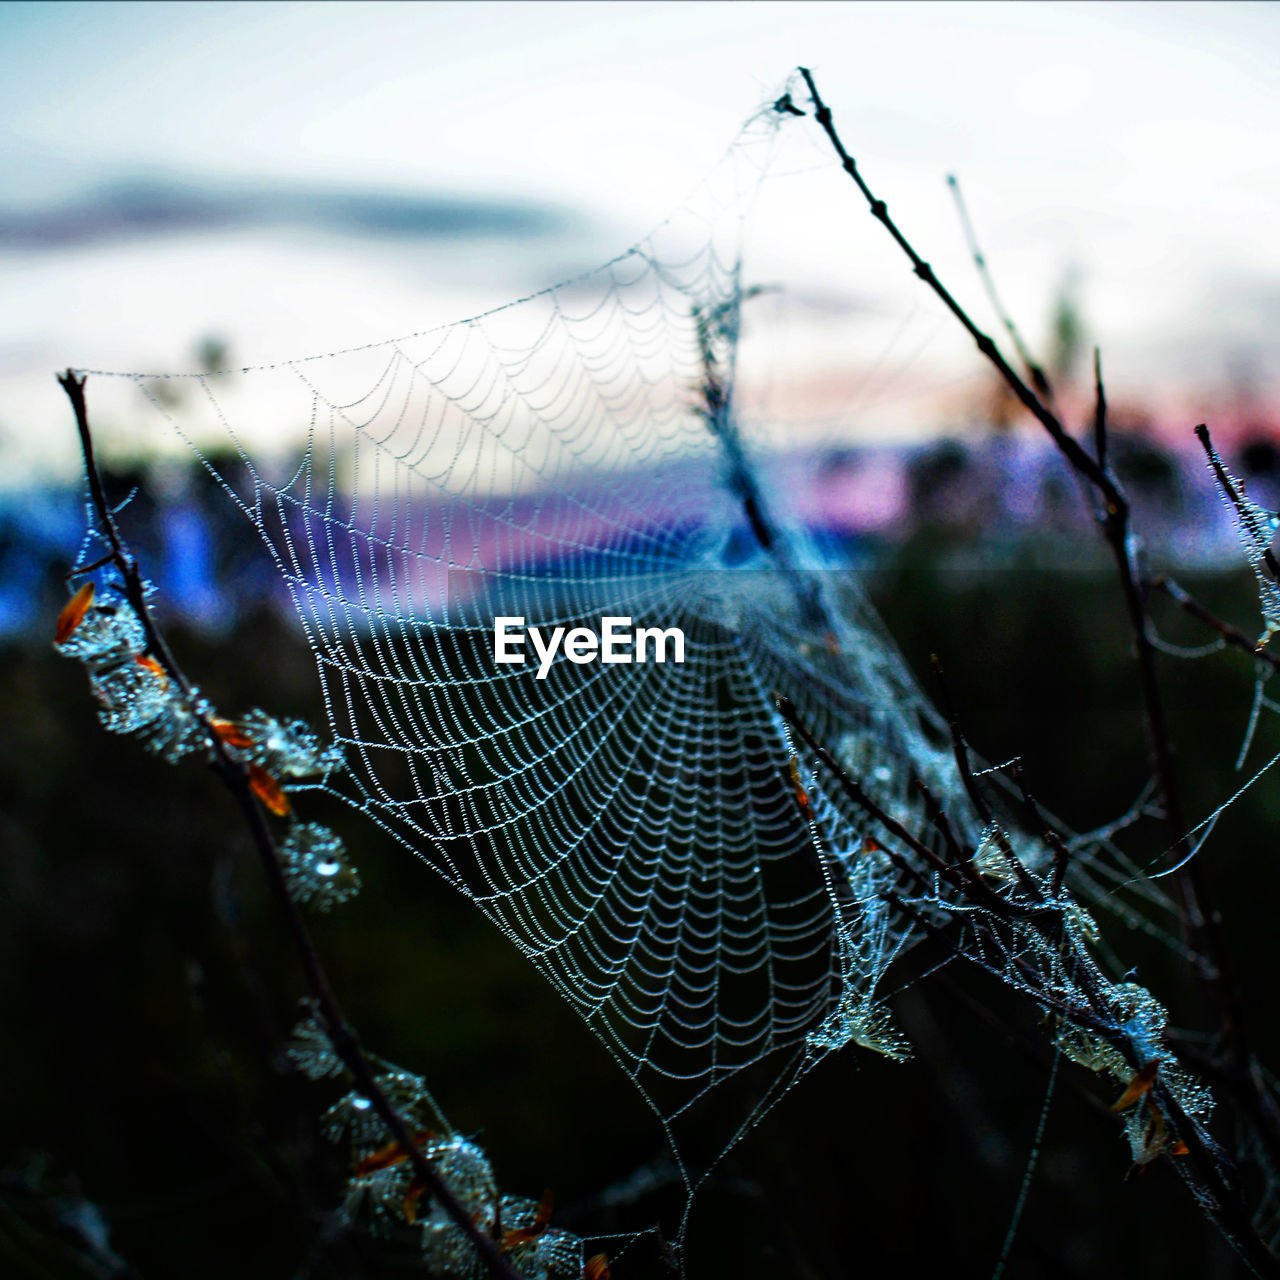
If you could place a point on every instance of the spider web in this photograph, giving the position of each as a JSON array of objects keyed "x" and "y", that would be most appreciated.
[{"x": 634, "y": 830}]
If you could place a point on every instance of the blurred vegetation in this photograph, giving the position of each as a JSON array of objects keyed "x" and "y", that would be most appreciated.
[{"x": 147, "y": 989}]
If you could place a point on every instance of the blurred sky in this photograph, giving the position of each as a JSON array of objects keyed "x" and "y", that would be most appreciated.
[{"x": 303, "y": 177}]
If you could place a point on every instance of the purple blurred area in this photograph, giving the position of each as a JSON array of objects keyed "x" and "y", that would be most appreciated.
[{"x": 998, "y": 501}]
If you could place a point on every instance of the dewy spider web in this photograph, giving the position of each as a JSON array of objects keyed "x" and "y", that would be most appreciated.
[{"x": 633, "y": 830}]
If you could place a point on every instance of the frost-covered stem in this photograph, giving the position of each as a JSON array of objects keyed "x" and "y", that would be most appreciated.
[
  {"x": 960, "y": 876},
  {"x": 1206, "y": 1171},
  {"x": 235, "y": 777},
  {"x": 1252, "y": 1095},
  {"x": 716, "y": 411},
  {"x": 119, "y": 554},
  {"x": 1209, "y": 1175},
  {"x": 1247, "y": 518},
  {"x": 1202, "y": 922}
]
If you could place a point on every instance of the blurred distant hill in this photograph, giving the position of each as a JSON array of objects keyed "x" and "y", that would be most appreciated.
[{"x": 989, "y": 500}]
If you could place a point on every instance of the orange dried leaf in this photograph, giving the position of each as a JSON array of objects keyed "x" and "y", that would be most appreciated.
[
  {"x": 1155, "y": 1141},
  {"x": 596, "y": 1268},
  {"x": 802, "y": 796},
  {"x": 232, "y": 734},
  {"x": 393, "y": 1153},
  {"x": 383, "y": 1158},
  {"x": 268, "y": 790},
  {"x": 72, "y": 614},
  {"x": 1138, "y": 1086},
  {"x": 147, "y": 661}
]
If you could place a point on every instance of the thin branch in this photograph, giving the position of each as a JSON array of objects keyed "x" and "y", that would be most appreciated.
[
  {"x": 1039, "y": 379},
  {"x": 1202, "y": 923},
  {"x": 1061, "y": 861},
  {"x": 1229, "y": 634},
  {"x": 937, "y": 815},
  {"x": 960, "y": 747},
  {"x": 235, "y": 777},
  {"x": 960, "y": 873},
  {"x": 787, "y": 709},
  {"x": 1034, "y": 405},
  {"x": 1099, "y": 412}
]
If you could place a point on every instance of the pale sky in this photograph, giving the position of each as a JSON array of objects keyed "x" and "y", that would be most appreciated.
[{"x": 1136, "y": 143}]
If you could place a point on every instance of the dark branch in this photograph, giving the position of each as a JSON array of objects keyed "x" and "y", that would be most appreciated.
[
  {"x": 1035, "y": 372},
  {"x": 1099, "y": 411},
  {"x": 1229, "y": 634},
  {"x": 1201, "y": 921},
  {"x": 1086, "y": 1003},
  {"x": 1033, "y": 404},
  {"x": 235, "y": 777}
]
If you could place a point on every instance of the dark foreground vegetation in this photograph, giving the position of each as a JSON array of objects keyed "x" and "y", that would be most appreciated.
[{"x": 147, "y": 994}]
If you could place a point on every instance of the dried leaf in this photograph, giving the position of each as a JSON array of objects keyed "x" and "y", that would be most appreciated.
[
  {"x": 146, "y": 661},
  {"x": 1138, "y": 1086},
  {"x": 232, "y": 734},
  {"x": 268, "y": 790},
  {"x": 393, "y": 1153},
  {"x": 73, "y": 613},
  {"x": 1155, "y": 1141},
  {"x": 596, "y": 1268}
]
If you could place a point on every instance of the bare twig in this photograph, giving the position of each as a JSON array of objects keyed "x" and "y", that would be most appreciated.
[
  {"x": 1034, "y": 405},
  {"x": 1099, "y": 412},
  {"x": 1229, "y": 634},
  {"x": 1206, "y": 1170},
  {"x": 235, "y": 777},
  {"x": 1035, "y": 371},
  {"x": 959, "y": 746}
]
